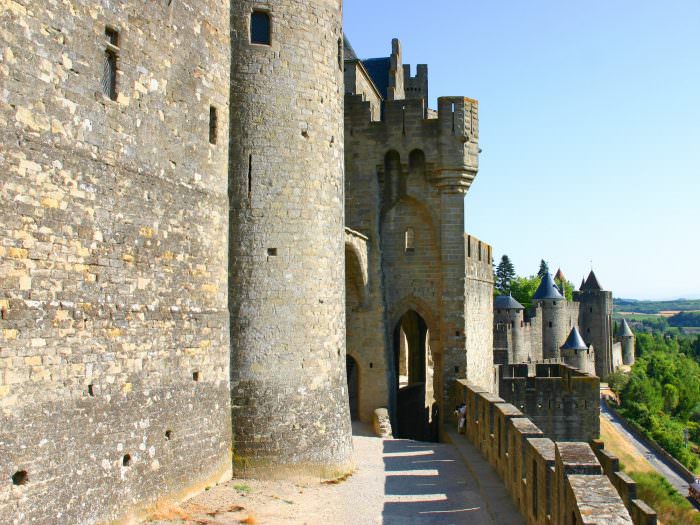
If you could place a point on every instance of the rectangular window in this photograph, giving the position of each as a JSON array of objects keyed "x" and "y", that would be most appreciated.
[
  {"x": 109, "y": 73},
  {"x": 213, "y": 124},
  {"x": 260, "y": 28},
  {"x": 409, "y": 240}
]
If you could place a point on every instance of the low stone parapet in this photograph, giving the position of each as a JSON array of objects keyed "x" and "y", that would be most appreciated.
[{"x": 551, "y": 483}]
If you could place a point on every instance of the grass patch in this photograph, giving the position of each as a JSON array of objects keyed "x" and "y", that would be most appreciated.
[
  {"x": 242, "y": 487},
  {"x": 672, "y": 508}
]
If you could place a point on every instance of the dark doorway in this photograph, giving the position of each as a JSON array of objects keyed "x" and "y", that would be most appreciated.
[
  {"x": 353, "y": 387},
  {"x": 414, "y": 384}
]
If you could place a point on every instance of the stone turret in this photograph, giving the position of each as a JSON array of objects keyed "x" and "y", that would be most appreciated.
[
  {"x": 287, "y": 299},
  {"x": 626, "y": 338},
  {"x": 595, "y": 320},
  {"x": 575, "y": 352},
  {"x": 508, "y": 315},
  {"x": 555, "y": 319}
]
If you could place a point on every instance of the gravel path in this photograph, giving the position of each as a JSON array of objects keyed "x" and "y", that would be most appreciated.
[{"x": 396, "y": 482}]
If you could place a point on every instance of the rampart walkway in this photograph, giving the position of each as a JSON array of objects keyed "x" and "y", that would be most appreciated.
[{"x": 396, "y": 482}]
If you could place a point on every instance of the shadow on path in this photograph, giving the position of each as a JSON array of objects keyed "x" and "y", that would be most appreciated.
[{"x": 428, "y": 483}]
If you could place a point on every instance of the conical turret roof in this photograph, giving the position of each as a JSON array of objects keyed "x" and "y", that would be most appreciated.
[
  {"x": 547, "y": 289},
  {"x": 624, "y": 330},
  {"x": 591, "y": 284},
  {"x": 574, "y": 341},
  {"x": 559, "y": 276},
  {"x": 506, "y": 302},
  {"x": 583, "y": 283}
]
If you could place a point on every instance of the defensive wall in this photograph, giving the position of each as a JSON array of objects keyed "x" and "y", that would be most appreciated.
[
  {"x": 560, "y": 400},
  {"x": 551, "y": 482},
  {"x": 478, "y": 310},
  {"x": 114, "y": 331}
]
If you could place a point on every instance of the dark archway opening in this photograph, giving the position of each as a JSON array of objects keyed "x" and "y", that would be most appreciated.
[
  {"x": 415, "y": 403},
  {"x": 353, "y": 387}
]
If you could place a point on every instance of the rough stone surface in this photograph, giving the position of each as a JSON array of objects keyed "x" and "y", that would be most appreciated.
[
  {"x": 287, "y": 292},
  {"x": 549, "y": 482},
  {"x": 406, "y": 175},
  {"x": 112, "y": 257},
  {"x": 562, "y": 401}
]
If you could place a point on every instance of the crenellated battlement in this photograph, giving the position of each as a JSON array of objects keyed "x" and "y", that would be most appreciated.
[{"x": 450, "y": 141}]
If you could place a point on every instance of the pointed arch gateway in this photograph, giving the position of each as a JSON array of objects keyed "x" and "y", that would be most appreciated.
[{"x": 416, "y": 377}]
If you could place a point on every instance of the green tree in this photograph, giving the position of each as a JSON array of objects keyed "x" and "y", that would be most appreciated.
[
  {"x": 544, "y": 269},
  {"x": 505, "y": 272},
  {"x": 524, "y": 288}
]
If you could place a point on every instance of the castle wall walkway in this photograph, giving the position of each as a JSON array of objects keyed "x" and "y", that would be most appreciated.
[{"x": 397, "y": 481}]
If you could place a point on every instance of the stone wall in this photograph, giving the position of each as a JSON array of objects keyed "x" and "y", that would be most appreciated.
[
  {"x": 478, "y": 312},
  {"x": 562, "y": 401},
  {"x": 406, "y": 176},
  {"x": 626, "y": 487},
  {"x": 551, "y": 483},
  {"x": 287, "y": 242},
  {"x": 114, "y": 345}
]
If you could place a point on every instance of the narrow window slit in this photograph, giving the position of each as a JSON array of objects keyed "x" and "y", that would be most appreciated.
[
  {"x": 109, "y": 74},
  {"x": 195, "y": 376},
  {"x": 213, "y": 124},
  {"x": 250, "y": 176},
  {"x": 126, "y": 460}
]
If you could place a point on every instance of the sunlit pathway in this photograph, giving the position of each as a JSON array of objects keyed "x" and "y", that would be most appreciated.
[{"x": 396, "y": 482}]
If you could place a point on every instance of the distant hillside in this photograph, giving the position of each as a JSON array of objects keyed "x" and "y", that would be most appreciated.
[{"x": 667, "y": 308}]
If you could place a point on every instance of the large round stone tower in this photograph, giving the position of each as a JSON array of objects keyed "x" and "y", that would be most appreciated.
[
  {"x": 287, "y": 297},
  {"x": 555, "y": 318}
]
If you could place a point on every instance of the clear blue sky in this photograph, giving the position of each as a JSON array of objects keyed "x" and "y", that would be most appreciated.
[{"x": 589, "y": 125}]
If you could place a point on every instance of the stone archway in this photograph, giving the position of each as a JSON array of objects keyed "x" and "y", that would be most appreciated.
[{"x": 414, "y": 383}]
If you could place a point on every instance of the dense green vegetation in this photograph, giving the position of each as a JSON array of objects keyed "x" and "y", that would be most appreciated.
[
  {"x": 685, "y": 319},
  {"x": 672, "y": 508},
  {"x": 654, "y": 307},
  {"x": 661, "y": 394}
]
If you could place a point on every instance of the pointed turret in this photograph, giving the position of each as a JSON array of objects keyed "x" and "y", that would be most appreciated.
[
  {"x": 583, "y": 283},
  {"x": 547, "y": 289},
  {"x": 624, "y": 330},
  {"x": 574, "y": 341},
  {"x": 559, "y": 276},
  {"x": 591, "y": 284}
]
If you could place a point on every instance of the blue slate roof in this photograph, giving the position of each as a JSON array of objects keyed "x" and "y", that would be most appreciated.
[
  {"x": 378, "y": 69},
  {"x": 348, "y": 51},
  {"x": 574, "y": 341},
  {"x": 547, "y": 289},
  {"x": 506, "y": 302}
]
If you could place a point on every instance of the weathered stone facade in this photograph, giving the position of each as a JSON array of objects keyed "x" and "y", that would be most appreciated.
[
  {"x": 551, "y": 482},
  {"x": 177, "y": 291},
  {"x": 114, "y": 343},
  {"x": 287, "y": 292},
  {"x": 407, "y": 170},
  {"x": 562, "y": 401}
]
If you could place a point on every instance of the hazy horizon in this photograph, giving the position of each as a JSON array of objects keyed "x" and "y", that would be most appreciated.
[{"x": 589, "y": 125}]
